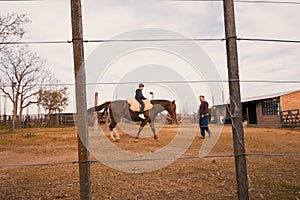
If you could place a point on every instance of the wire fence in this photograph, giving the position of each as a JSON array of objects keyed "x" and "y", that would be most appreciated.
[
  {"x": 153, "y": 179},
  {"x": 272, "y": 40},
  {"x": 156, "y": 159},
  {"x": 295, "y": 173}
]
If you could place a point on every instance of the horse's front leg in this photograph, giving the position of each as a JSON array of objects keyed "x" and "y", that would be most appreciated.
[
  {"x": 138, "y": 134},
  {"x": 153, "y": 131}
]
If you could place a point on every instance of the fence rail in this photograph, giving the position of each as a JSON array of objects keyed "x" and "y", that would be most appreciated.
[
  {"x": 39, "y": 120},
  {"x": 290, "y": 117}
]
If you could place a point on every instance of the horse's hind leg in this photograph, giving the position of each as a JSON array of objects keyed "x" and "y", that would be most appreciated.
[
  {"x": 114, "y": 135},
  {"x": 153, "y": 131}
]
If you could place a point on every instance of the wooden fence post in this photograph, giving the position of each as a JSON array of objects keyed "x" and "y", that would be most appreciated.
[
  {"x": 235, "y": 101},
  {"x": 80, "y": 83},
  {"x": 96, "y": 114}
]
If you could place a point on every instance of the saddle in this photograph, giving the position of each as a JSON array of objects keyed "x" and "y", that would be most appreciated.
[{"x": 135, "y": 105}]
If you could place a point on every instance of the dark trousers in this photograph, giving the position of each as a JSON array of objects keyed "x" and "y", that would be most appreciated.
[
  {"x": 203, "y": 123},
  {"x": 142, "y": 105}
]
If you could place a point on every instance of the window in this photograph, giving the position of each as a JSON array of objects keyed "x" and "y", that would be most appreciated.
[{"x": 270, "y": 106}]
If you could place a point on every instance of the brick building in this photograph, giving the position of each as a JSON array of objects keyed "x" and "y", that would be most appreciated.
[{"x": 268, "y": 110}]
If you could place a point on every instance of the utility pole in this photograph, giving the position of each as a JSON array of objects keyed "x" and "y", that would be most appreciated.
[
  {"x": 235, "y": 101},
  {"x": 80, "y": 83}
]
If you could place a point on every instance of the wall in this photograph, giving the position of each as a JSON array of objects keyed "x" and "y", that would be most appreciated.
[
  {"x": 266, "y": 120},
  {"x": 290, "y": 101}
]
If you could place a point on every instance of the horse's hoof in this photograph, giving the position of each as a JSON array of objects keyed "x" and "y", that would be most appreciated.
[
  {"x": 117, "y": 140},
  {"x": 136, "y": 140},
  {"x": 156, "y": 139}
]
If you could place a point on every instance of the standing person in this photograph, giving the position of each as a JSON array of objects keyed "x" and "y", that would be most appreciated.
[
  {"x": 140, "y": 97},
  {"x": 203, "y": 118}
]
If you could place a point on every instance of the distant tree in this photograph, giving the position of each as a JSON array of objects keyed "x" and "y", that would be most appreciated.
[
  {"x": 22, "y": 75},
  {"x": 12, "y": 28},
  {"x": 53, "y": 101}
]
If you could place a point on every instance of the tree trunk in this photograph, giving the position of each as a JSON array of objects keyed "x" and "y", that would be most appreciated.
[
  {"x": 15, "y": 111},
  {"x": 20, "y": 117}
]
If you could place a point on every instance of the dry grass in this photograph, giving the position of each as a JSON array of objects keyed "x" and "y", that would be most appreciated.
[{"x": 209, "y": 178}]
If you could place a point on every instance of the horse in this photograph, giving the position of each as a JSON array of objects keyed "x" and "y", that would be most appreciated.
[{"x": 121, "y": 109}]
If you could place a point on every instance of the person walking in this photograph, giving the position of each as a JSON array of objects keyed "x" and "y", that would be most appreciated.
[
  {"x": 203, "y": 117},
  {"x": 140, "y": 97}
]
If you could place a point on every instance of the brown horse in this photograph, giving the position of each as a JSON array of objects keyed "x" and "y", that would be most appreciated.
[{"x": 120, "y": 109}]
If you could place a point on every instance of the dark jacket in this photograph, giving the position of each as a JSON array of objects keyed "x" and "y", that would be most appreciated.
[
  {"x": 203, "y": 108},
  {"x": 139, "y": 95}
]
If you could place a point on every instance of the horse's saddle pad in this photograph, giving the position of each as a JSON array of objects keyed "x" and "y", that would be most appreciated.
[{"x": 135, "y": 105}]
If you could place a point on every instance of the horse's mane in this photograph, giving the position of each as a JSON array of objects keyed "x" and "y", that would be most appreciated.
[{"x": 161, "y": 100}]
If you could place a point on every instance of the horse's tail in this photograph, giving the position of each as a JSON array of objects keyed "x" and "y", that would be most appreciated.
[{"x": 104, "y": 106}]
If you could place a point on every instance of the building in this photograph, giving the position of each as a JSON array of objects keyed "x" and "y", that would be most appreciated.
[{"x": 276, "y": 109}]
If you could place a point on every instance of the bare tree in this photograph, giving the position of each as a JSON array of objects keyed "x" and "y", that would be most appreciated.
[
  {"x": 22, "y": 74},
  {"x": 12, "y": 28},
  {"x": 53, "y": 101}
]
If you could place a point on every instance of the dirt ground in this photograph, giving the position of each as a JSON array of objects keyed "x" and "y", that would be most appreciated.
[{"x": 270, "y": 177}]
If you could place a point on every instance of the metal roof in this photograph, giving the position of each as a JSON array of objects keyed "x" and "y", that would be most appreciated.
[{"x": 268, "y": 96}]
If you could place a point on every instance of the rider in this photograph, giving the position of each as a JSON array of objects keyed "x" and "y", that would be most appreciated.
[{"x": 140, "y": 97}]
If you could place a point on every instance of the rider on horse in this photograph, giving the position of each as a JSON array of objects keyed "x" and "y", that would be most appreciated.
[{"x": 140, "y": 97}]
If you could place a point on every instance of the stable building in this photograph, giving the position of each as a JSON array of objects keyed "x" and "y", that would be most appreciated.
[{"x": 278, "y": 109}]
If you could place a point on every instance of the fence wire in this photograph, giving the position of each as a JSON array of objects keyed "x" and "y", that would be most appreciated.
[
  {"x": 157, "y": 178},
  {"x": 273, "y": 40},
  {"x": 174, "y": 195},
  {"x": 169, "y": 82},
  {"x": 143, "y": 160}
]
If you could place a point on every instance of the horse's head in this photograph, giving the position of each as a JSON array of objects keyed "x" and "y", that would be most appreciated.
[{"x": 169, "y": 106}]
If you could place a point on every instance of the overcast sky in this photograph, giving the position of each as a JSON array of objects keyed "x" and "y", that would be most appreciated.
[{"x": 106, "y": 19}]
